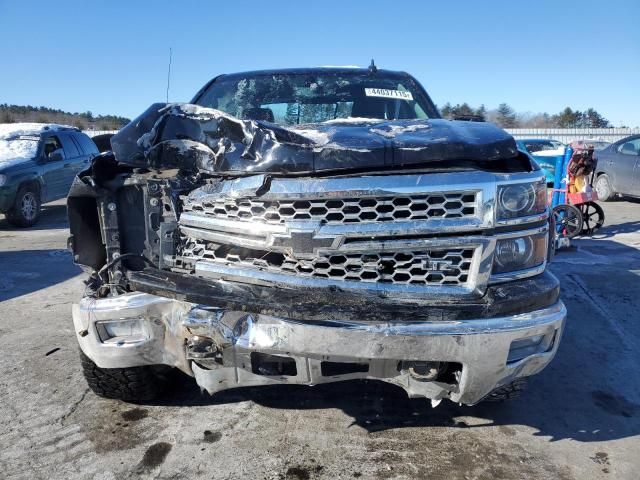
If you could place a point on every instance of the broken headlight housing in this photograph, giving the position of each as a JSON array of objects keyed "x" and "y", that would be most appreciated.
[
  {"x": 521, "y": 200},
  {"x": 520, "y": 253}
]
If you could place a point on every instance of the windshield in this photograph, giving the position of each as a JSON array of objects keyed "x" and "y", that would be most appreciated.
[
  {"x": 19, "y": 147},
  {"x": 291, "y": 99}
]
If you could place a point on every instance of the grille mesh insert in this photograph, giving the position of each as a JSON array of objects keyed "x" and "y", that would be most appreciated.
[
  {"x": 338, "y": 211},
  {"x": 424, "y": 267}
]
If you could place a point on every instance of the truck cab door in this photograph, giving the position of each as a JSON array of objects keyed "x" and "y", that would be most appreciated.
[{"x": 53, "y": 159}]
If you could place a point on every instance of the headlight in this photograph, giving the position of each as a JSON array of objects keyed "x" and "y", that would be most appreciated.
[
  {"x": 3, "y": 180},
  {"x": 521, "y": 200},
  {"x": 520, "y": 253}
]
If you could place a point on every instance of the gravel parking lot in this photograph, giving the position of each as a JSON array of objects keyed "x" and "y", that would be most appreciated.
[{"x": 579, "y": 419}]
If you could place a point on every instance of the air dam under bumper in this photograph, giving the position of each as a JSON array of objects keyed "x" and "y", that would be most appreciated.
[{"x": 224, "y": 349}]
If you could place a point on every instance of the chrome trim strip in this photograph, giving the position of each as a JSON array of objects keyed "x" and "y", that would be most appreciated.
[
  {"x": 520, "y": 177},
  {"x": 222, "y": 237},
  {"x": 523, "y": 233},
  {"x": 236, "y": 229},
  {"x": 517, "y": 275},
  {"x": 521, "y": 220},
  {"x": 377, "y": 185}
]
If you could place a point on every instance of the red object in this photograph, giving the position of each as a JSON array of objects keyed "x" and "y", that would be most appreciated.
[{"x": 578, "y": 198}]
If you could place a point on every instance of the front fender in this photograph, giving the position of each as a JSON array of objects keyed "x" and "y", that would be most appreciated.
[{"x": 14, "y": 182}]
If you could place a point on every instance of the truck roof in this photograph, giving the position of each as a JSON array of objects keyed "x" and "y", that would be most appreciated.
[{"x": 307, "y": 70}]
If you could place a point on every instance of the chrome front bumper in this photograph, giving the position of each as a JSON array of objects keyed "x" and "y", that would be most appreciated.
[{"x": 157, "y": 330}]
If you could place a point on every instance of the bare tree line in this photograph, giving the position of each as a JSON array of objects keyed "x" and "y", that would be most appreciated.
[{"x": 84, "y": 121}]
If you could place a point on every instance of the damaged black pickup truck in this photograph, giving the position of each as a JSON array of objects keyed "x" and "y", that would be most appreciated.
[{"x": 307, "y": 226}]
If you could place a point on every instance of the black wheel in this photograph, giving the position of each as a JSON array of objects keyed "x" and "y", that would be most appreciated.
[
  {"x": 507, "y": 392},
  {"x": 135, "y": 384},
  {"x": 592, "y": 217},
  {"x": 568, "y": 220},
  {"x": 603, "y": 188},
  {"x": 26, "y": 207}
]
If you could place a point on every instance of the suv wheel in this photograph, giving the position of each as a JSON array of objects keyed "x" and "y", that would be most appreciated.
[
  {"x": 26, "y": 207},
  {"x": 134, "y": 384},
  {"x": 603, "y": 188}
]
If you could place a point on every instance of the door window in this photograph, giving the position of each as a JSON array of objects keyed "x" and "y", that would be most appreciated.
[
  {"x": 86, "y": 144},
  {"x": 51, "y": 144},
  {"x": 69, "y": 146},
  {"x": 631, "y": 147}
]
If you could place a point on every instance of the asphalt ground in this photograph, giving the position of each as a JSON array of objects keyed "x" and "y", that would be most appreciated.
[{"x": 579, "y": 419}]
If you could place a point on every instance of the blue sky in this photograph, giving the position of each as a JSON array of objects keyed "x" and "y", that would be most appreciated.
[{"x": 111, "y": 57}]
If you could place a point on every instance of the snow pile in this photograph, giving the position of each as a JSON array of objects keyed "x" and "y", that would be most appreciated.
[
  {"x": 16, "y": 151},
  {"x": 10, "y": 130},
  {"x": 23, "y": 144}
]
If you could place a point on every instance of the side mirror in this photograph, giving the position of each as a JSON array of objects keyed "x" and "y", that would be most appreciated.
[{"x": 56, "y": 155}]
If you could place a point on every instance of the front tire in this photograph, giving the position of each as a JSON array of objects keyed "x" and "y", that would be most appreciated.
[
  {"x": 26, "y": 207},
  {"x": 134, "y": 384},
  {"x": 603, "y": 188}
]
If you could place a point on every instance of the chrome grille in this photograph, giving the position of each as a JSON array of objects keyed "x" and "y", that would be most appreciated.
[
  {"x": 339, "y": 211},
  {"x": 422, "y": 267}
]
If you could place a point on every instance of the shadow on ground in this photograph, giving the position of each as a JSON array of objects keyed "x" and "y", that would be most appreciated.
[
  {"x": 608, "y": 231},
  {"x": 26, "y": 271}
]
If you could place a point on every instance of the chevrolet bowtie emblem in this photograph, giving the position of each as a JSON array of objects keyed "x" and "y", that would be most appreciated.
[{"x": 304, "y": 239}]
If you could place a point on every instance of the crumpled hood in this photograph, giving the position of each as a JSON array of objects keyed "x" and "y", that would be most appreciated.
[{"x": 191, "y": 137}]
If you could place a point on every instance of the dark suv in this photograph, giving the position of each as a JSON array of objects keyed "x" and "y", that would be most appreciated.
[{"x": 38, "y": 163}]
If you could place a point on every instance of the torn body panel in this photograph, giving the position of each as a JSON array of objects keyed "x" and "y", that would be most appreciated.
[{"x": 195, "y": 138}]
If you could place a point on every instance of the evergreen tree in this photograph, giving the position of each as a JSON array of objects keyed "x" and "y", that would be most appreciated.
[
  {"x": 481, "y": 112},
  {"x": 506, "y": 116},
  {"x": 445, "y": 111},
  {"x": 593, "y": 119},
  {"x": 291, "y": 115}
]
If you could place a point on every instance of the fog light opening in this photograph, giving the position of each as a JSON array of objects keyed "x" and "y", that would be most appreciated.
[
  {"x": 273, "y": 365},
  {"x": 525, "y": 347},
  {"x": 125, "y": 330}
]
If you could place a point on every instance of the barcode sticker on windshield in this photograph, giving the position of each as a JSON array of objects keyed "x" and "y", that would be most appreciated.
[{"x": 385, "y": 93}]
